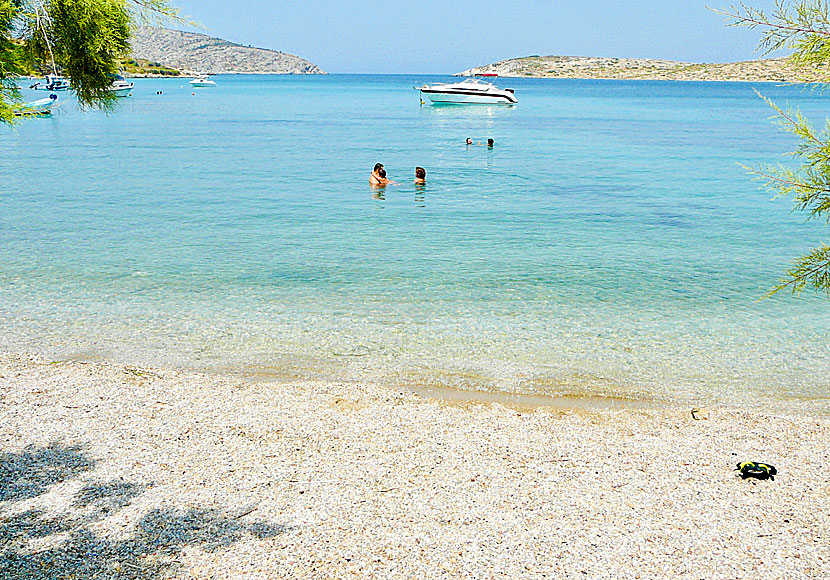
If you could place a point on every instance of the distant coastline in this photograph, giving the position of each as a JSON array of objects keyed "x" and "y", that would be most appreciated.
[
  {"x": 580, "y": 67},
  {"x": 192, "y": 53}
]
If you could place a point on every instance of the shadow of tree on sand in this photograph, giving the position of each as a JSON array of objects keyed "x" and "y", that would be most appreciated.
[
  {"x": 29, "y": 473},
  {"x": 73, "y": 550}
]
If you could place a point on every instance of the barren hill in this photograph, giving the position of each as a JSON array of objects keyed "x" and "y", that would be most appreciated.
[
  {"x": 192, "y": 52},
  {"x": 774, "y": 69}
]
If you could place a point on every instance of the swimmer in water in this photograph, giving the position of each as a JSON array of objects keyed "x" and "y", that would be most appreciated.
[{"x": 375, "y": 178}]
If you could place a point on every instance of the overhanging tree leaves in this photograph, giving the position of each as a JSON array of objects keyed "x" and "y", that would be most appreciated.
[
  {"x": 85, "y": 38},
  {"x": 11, "y": 58},
  {"x": 89, "y": 38},
  {"x": 802, "y": 26}
]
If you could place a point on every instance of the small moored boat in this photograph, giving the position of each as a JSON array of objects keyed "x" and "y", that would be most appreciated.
[
  {"x": 469, "y": 91},
  {"x": 40, "y": 107},
  {"x": 202, "y": 81},
  {"x": 120, "y": 86}
]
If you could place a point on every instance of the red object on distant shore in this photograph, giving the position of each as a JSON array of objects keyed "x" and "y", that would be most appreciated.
[{"x": 488, "y": 74}]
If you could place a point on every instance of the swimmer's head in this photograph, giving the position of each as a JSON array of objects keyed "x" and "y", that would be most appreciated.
[
  {"x": 420, "y": 173},
  {"x": 469, "y": 140},
  {"x": 378, "y": 166}
]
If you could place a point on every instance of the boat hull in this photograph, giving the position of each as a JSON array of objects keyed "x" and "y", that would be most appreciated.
[
  {"x": 460, "y": 98},
  {"x": 41, "y": 107},
  {"x": 50, "y": 88}
]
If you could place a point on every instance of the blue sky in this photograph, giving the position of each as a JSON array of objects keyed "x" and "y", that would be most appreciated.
[{"x": 432, "y": 36}]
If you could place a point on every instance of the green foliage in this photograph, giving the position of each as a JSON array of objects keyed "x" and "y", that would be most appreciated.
[
  {"x": 144, "y": 66},
  {"x": 11, "y": 60},
  {"x": 802, "y": 26},
  {"x": 85, "y": 39},
  {"x": 90, "y": 37},
  {"x": 812, "y": 269}
]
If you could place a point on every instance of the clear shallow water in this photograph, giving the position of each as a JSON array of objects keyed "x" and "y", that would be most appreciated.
[{"x": 608, "y": 245}]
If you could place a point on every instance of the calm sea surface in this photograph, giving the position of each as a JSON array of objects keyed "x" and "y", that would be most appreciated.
[{"x": 609, "y": 244}]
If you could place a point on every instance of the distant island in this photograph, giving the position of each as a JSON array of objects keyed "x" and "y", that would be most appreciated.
[
  {"x": 580, "y": 67},
  {"x": 192, "y": 53}
]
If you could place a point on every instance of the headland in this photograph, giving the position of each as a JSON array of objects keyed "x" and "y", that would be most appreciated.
[{"x": 580, "y": 67}]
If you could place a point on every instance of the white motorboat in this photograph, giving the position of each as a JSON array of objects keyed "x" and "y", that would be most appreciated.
[
  {"x": 203, "y": 81},
  {"x": 469, "y": 91},
  {"x": 120, "y": 86},
  {"x": 40, "y": 107},
  {"x": 53, "y": 82}
]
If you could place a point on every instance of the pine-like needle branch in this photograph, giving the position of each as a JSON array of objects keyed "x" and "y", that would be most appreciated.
[
  {"x": 85, "y": 39},
  {"x": 802, "y": 26}
]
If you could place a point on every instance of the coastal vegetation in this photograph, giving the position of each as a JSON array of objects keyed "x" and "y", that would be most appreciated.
[
  {"x": 802, "y": 26},
  {"x": 87, "y": 39},
  {"x": 144, "y": 67}
]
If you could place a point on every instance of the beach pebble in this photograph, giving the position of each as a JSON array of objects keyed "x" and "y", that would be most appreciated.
[{"x": 113, "y": 471}]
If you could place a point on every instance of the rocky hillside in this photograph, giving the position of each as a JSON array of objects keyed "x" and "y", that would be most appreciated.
[
  {"x": 192, "y": 53},
  {"x": 579, "y": 67}
]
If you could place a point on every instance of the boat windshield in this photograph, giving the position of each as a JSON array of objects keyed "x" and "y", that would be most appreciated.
[
  {"x": 477, "y": 83},
  {"x": 482, "y": 79}
]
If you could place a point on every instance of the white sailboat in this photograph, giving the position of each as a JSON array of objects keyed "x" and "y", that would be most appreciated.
[{"x": 53, "y": 82}]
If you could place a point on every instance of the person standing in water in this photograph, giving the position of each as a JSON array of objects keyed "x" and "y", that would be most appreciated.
[{"x": 420, "y": 176}]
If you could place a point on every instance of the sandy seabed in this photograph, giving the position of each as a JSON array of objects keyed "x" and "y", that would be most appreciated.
[{"x": 110, "y": 471}]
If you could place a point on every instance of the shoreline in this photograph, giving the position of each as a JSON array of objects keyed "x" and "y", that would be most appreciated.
[
  {"x": 161, "y": 472},
  {"x": 569, "y": 390},
  {"x": 187, "y": 75}
]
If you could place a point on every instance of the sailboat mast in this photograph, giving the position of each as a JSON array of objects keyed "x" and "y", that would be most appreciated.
[{"x": 45, "y": 36}]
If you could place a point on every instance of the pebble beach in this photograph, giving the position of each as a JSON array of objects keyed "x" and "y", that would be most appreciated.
[{"x": 112, "y": 471}]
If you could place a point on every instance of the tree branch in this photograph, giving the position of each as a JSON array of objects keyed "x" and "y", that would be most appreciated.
[
  {"x": 801, "y": 278},
  {"x": 752, "y": 22},
  {"x": 776, "y": 179}
]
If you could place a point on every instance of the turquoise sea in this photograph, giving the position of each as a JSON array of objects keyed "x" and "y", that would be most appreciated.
[{"x": 609, "y": 244}]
